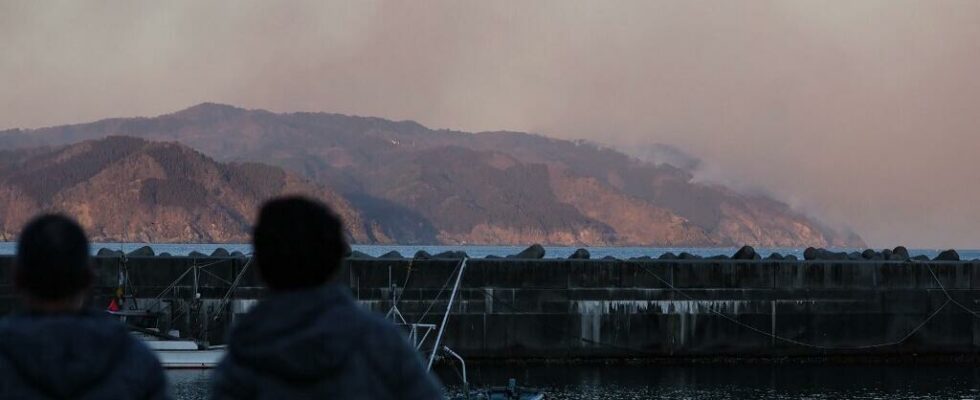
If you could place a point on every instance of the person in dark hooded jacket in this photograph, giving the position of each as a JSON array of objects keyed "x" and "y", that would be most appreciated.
[
  {"x": 309, "y": 339},
  {"x": 57, "y": 349}
]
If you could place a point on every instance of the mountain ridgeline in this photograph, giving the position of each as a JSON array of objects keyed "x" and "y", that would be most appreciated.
[
  {"x": 129, "y": 189},
  {"x": 393, "y": 182}
]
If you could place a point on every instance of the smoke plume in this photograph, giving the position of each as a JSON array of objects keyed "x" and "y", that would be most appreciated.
[{"x": 864, "y": 113}]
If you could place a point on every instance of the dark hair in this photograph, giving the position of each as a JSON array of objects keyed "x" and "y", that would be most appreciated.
[
  {"x": 298, "y": 242},
  {"x": 52, "y": 258}
]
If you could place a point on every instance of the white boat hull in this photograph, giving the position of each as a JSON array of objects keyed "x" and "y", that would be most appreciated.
[
  {"x": 189, "y": 359},
  {"x": 175, "y": 354}
]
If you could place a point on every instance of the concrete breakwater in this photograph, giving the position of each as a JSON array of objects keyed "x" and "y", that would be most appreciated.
[{"x": 609, "y": 309}]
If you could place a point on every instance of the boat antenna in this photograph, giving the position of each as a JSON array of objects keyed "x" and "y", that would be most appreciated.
[{"x": 445, "y": 317}]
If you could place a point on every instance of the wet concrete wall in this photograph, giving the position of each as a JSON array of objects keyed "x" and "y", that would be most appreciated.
[{"x": 579, "y": 309}]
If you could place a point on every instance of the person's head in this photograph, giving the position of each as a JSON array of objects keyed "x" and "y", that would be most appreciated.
[
  {"x": 53, "y": 270},
  {"x": 299, "y": 243}
]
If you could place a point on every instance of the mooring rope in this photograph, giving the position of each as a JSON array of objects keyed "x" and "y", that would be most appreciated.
[
  {"x": 231, "y": 289},
  {"x": 158, "y": 299},
  {"x": 948, "y": 296},
  {"x": 949, "y": 299},
  {"x": 408, "y": 275},
  {"x": 223, "y": 280},
  {"x": 444, "y": 286}
]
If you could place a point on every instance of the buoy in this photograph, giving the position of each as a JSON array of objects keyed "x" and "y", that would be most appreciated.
[{"x": 113, "y": 305}]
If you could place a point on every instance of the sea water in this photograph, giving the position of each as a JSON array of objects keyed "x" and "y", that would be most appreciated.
[
  {"x": 703, "y": 382},
  {"x": 483, "y": 251}
]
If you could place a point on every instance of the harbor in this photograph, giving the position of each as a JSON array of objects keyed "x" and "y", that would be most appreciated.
[{"x": 581, "y": 311}]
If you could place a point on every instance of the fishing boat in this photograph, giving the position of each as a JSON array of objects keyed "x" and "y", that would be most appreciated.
[
  {"x": 172, "y": 351},
  {"x": 178, "y": 351}
]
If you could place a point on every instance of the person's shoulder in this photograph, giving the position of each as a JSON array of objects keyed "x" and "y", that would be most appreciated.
[
  {"x": 140, "y": 367},
  {"x": 138, "y": 348},
  {"x": 5, "y": 332},
  {"x": 139, "y": 352},
  {"x": 398, "y": 363},
  {"x": 11, "y": 321},
  {"x": 135, "y": 351},
  {"x": 5, "y": 323},
  {"x": 19, "y": 327}
]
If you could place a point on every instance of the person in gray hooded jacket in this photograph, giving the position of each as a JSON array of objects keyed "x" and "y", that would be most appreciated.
[
  {"x": 57, "y": 349},
  {"x": 309, "y": 338}
]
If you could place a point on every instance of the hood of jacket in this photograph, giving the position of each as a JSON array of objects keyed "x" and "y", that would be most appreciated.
[
  {"x": 63, "y": 355},
  {"x": 298, "y": 336}
]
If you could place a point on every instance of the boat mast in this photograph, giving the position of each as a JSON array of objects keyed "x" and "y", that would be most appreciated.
[{"x": 445, "y": 317}]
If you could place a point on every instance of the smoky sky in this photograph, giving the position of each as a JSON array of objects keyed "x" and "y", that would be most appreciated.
[{"x": 863, "y": 113}]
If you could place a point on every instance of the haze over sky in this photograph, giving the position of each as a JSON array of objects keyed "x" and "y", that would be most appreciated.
[{"x": 864, "y": 113}]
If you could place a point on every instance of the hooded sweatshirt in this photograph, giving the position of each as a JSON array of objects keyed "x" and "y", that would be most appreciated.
[
  {"x": 81, "y": 355},
  {"x": 320, "y": 344}
]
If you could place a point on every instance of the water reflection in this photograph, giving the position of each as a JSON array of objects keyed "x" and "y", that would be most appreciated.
[
  {"x": 189, "y": 384},
  {"x": 709, "y": 382}
]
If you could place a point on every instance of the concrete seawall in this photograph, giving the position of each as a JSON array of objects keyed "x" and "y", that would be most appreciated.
[{"x": 583, "y": 309}]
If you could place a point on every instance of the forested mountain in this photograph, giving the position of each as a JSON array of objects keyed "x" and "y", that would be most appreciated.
[
  {"x": 129, "y": 189},
  {"x": 417, "y": 185}
]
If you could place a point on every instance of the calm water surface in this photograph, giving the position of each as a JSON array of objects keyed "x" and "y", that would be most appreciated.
[
  {"x": 706, "y": 382},
  {"x": 483, "y": 251}
]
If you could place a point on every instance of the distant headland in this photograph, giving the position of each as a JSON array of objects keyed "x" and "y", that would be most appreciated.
[{"x": 197, "y": 175}]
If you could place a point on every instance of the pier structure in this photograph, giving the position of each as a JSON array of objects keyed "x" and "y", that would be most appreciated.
[{"x": 551, "y": 309}]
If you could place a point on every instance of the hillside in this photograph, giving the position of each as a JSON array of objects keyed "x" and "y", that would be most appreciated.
[
  {"x": 418, "y": 185},
  {"x": 128, "y": 189}
]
